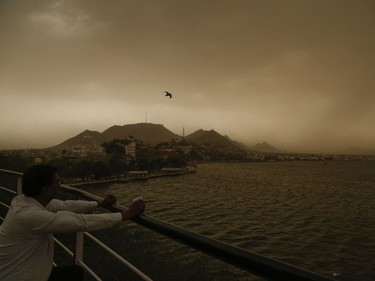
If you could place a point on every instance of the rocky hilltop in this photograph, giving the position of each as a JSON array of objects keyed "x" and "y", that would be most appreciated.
[
  {"x": 211, "y": 137},
  {"x": 146, "y": 132},
  {"x": 150, "y": 133},
  {"x": 264, "y": 147}
]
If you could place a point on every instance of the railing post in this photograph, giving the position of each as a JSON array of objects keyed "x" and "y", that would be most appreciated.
[
  {"x": 19, "y": 185},
  {"x": 78, "y": 254}
]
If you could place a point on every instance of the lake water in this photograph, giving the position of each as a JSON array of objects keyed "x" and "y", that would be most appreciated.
[{"x": 316, "y": 215}]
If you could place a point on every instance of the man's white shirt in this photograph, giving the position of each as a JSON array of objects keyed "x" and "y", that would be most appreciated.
[{"x": 26, "y": 234}]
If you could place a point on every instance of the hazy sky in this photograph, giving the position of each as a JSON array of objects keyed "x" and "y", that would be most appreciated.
[{"x": 298, "y": 74}]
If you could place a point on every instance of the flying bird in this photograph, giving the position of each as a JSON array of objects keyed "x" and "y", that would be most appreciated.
[{"x": 168, "y": 94}]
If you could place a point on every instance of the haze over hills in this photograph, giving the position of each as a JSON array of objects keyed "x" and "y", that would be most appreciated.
[
  {"x": 155, "y": 133},
  {"x": 355, "y": 150},
  {"x": 209, "y": 137},
  {"x": 265, "y": 147},
  {"x": 307, "y": 107}
]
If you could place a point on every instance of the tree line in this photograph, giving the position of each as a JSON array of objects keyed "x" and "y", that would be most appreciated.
[{"x": 114, "y": 163}]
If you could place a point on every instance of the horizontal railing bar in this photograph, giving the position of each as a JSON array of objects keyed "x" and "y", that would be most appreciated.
[
  {"x": 11, "y": 172},
  {"x": 5, "y": 205},
  {"x": 81, "y": 192},
  {"x": 117, "y": 256},
  {"x": 63, "y": 247},
  {"x": 267, "y": 268},
  {"x": 88, "y": 269},
  {"x": 109, "y": 250},
  {"x": 6, "y": 189}
]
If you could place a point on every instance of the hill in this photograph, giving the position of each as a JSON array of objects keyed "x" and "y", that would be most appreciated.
[
  {"x": 146, "y": 132},
  {"x": 264, "y": 147},
  {"x": 156, "y": 133},
  {"x": 211, "y": 137},
  {"x": 87, "y": 137}
]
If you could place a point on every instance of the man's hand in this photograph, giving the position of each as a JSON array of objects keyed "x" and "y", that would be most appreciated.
[
  {"x": 135, "y": 209},
  {"x": 107, "y": 201}
]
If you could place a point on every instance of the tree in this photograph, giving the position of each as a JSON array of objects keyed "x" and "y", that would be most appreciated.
[
  {"x": 175, "y": 161},
  {"x": 100, "y": 170},
  {"x": 63, "y": 165},
  {"x": 114, "y": 147},
  {"x": 14, "y": 160},
  {"x": 82, "y": 169},
  {"x": 117, "y": 164}
]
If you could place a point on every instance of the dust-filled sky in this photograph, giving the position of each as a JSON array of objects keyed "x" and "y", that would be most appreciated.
[{"x": 298, "y": 74}]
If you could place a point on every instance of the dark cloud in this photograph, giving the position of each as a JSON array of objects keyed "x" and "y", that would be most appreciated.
[{"x": 290, "y": 72}]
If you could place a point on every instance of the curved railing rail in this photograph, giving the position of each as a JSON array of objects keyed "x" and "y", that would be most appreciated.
[
  {"x": 267, "y": 268},
  {"x": 77, "y": 255}
]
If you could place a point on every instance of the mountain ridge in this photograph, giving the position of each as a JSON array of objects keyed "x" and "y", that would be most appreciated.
[
  {"x": 147, "y": 132},
  {"x": 264, "y": 147},
  {"x": 151, "y": 133},
  {"x": 210, "y": 137}
]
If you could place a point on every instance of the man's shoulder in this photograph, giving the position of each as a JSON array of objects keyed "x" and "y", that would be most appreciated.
[
  {"x": 22, "y": 206},
  {"x": 23, "y": 201},
  {"x": 20, "y": 210},
  {"x": 20, "y": 201}
]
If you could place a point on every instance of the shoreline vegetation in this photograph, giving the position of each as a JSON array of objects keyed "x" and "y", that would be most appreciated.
[{"x": 84, "y": 170}]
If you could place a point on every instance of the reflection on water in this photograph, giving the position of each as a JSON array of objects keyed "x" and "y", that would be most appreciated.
[{"x": 315, "y": 216}]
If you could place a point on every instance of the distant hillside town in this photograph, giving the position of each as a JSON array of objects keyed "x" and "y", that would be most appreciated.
[
  {"x": 153, "y": 135},
  {"x": 148, "y": 147}
]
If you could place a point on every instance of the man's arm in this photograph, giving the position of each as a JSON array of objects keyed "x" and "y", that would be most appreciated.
[
  {"x": 79, "y": 206},
  {"x": 43, "y": 221},
  {"x": 75, "y": 206}
]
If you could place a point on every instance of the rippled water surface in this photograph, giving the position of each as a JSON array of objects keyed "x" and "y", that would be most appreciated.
[{"x": 316, "y": 215}]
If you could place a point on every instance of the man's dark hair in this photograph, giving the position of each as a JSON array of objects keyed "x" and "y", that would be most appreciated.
[{"x": 37, "y": 177}]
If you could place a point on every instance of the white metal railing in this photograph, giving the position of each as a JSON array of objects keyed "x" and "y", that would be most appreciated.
[
  {"x": 78, "y": 254},
  {"x": 2, "y": 203},
  {"x": 267, "y": 268}
]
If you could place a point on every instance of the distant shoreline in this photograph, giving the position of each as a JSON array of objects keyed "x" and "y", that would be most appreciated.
[{"x": 135, "y": 177}]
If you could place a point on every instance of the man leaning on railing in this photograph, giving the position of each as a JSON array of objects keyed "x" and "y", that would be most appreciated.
[{"x": 26, "y": 235}]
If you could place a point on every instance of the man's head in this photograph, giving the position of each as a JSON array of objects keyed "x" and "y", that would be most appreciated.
[{"x": 40, "y": 178}]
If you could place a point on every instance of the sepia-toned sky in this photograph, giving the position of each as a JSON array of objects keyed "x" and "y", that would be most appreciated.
[{"x": 298, "y": 74}]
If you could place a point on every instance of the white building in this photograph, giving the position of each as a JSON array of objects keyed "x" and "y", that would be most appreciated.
[{"x": 130, "y": 149}]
